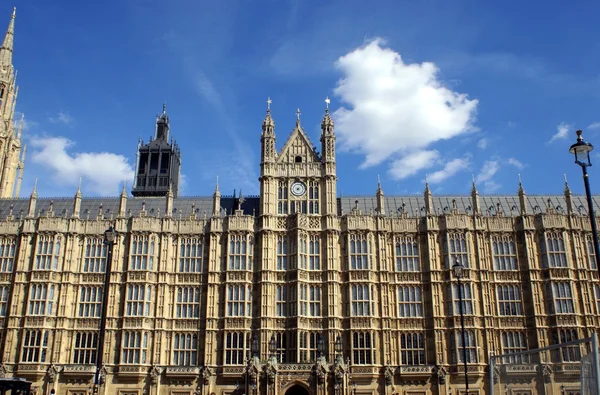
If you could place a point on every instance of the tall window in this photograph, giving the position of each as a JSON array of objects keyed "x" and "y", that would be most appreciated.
[
  {"x": 48, "y": 251},
  {"x": 135, "y": 347},
  {"x": 591, "y": 253},
  {"x": 185, "y": 349},
  {"x": 310, "y": 300},
  {"x": 188, "y": 302},
  {"x": 412, "y": 348},
  {"x": 407, "y": 254},
  {"x": 138, "y": 300},
  {"x": 314, "y": 253},
  {"x": 471, "y": 346},
  {"x": 142, "y": 252},
  {"x": 190, "y": 255},
  {"x": 240, "y": 252},
  {"x": 41, "y": 299},
  {"x": 302, "y": 252},
  {"x": 282, "y": 198},
  {"x": 362, "y": 348},
  {"x": 514, "y": 342},
  {"x": 7, "y": 254},
  {"x": 281, "y": 302},
  {"x": 410, "y": 302},
  {"x": 282, "y": 251},
  {"x": 281, "y": 348},
  {"x": 467, "y": 298},
  {"x": 236, "y": 347},
  {"x": 509, "y": 300},
  {"x": 563, "y": 298},
  {"x": 569, "y": 353},
  {"x": 359, "y": 252},
  {"x": 597, "y": 296},
  {"x": 4, "y": 294},
  {"x": 90, "y": 301},
  {"x": 94, "y": 260},
  {"x": 555, "y": 253},
  {"x": 362, "y": 300},
  {"x": 313, "y": 197},
  {"x": 457, "y": 245},
  {"x": 239, "y": 298},
  {"x": 504, "y": 253},
  {"x": 84, "y": 351},
  {"x": 35, "y": 346},
  {"x": 308, "y": 342}
]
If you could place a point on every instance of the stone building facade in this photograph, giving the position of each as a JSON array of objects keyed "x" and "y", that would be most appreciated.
[{"x": 249, "y": 295}]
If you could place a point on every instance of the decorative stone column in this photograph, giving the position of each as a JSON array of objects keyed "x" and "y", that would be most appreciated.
[{"x": 320, "y": 373}]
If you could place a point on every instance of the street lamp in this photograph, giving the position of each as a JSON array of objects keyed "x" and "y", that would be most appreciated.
[
  {"x": 272, "y": 346},
  {"x": 581, "y": 150},
  {"x": 254, "y": 346},
  {"x": 338, "y": 346},
  {"x": 459, "y": 272},
  {"x": 109, "y": 241},
  {"x": 320, "y": 347}
]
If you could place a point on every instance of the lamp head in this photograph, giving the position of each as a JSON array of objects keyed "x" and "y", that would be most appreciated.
[
  {"x": 581, "y": 150},
  {"x": 110, "y": 235},
  {"x": 272, "y": 345},
  {"x": 458, "y": 269}
]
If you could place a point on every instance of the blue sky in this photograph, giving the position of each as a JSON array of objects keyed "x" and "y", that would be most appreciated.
[{"x": 429, "y": 89}]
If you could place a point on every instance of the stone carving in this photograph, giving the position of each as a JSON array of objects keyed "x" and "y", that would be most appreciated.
[
  {"x": 339, "y": 372},
  {"x": 320, "y": 370},
  {"x": 496, "y": 374},
  {"x": 441, "y": 373},
  {"x": 2, "y": 371},
  {"x": 389, "y": 375},
  {"x": 52, "y": 372},
  {"x": 252, "y": 370},
  {"x": 155, "y": 375},
  {"x": 206, "y": 374},
  {"x": 547, "y": 373},
  {"x": 271, "y": 370}
]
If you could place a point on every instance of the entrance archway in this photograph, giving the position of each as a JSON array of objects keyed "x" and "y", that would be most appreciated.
[{"x": 297, "y": 390}]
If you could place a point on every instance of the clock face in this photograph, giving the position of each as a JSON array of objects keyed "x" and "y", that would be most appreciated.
[{"x": 298, "y": 189}]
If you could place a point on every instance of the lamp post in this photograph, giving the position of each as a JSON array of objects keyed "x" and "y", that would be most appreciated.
[
  {"x": 320, "y": 347},
  {"x": 581, "y": 150},
  {"x": 272, "y": 347},
  {"x": 109, "y": 241},
  {"x": 458, "y": 270}
]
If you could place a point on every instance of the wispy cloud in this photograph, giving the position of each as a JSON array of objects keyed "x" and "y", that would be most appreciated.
[
  {"x": 102, "y": 172},
  {"x": 450, "y": 169},
  {"x": 393, "y": 99},
  {"x": 562, "y": 130},
  {"x": 28, "y": 124},
  {"x": 486, "y": 174},
  {"x": 516, "y": 163},
  {"x": 62, "y": 117},
  {"x": 595, "y": 125},
  {"x": 482, "y": 143}
]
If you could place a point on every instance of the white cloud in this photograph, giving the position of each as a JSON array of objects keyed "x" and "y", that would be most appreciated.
[
  {"x": 62, "y": 117},
  {"x": 103, "y": 172},
  {"x": 451, "y": 168},
  {"x": 488, "y": 170},
  {"x": 411, "y": 163},
  {"x": 483, "y": 143},
  {"x": 515, "y": 162},
  {"x": 393, "y": 109},
  {"x": 595, "y": 125},
  {"x": 562, "y": 131}
]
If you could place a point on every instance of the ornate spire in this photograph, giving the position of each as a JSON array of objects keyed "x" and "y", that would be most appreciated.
[
  {"x": 327, "y": 122},
  {"x": 124, "y": 190},
  {"x": 78, "y": 193},
  {"x": 6, "y": 50},
  {"x": 522, "y": 197},
  {"x": 379, "y": 197},
  {"x": 428, "y": 198},
  {"x": 34, "y": 192},
  {"x": 268, "y": 125},
  {"x": 475, "y": 197}
]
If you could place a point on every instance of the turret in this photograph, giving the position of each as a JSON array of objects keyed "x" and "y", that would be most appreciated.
[
  {"x": 269, "y": 153},
  {"x": 217, "y": 201},
  {"x": 568, "y": 197},
  {"x": 380, "y": 200},
  {"x": 169, "y": 205},
  {"x": 123, "y": 201},
  {"x": 32, "y": 201},
  {"x": 162, "y": 125},
  {"x": 522, "y": 198},
  {"x": 475, "y": 199},
  {"x": 77, "y": 201},
  {"x": 328, "y": 139},
  {"x": 429, "y": 210}
]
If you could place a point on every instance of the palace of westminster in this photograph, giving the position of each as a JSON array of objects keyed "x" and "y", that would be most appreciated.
[{"x": 294, "y": 291}]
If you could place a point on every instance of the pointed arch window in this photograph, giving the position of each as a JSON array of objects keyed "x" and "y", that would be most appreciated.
[
  {"x": 185, "y": 349},
  {"x": 554, "y": 250},
  {"x": 41, "y": 299},
  {"x": 48, "y": 252},
  {"x": 407, "y": 254},
  {"x": 282, "y": 251},
  {"x": 282, "y": 198},
  {"x": 94, "y": 260},
  {"x": 7, "y": 254},
  {"x": 313, "y": 197},
  {"x": 240, "y": 252},
  {"x": 237, "y": 347},
  {"x": 142, "y": 252},
  {"x": 190, "y": 255},
  {"x": 458, "y": 250},
  {"x": 314, "y": 253},
  {"x": 363, "y": 346},
  {"x": 239, "y": 300},
  {"x": 504, "y": 253},
  {"x": 360, "y": 257}
]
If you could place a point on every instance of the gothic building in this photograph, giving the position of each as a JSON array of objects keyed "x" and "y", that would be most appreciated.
[{"x": 297, "y": 290}]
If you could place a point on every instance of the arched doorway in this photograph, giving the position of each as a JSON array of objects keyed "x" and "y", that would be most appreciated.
[{"x": 297, "y": 390}]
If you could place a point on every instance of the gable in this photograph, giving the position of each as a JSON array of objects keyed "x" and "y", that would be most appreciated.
[{"x": 298, "y": 148}]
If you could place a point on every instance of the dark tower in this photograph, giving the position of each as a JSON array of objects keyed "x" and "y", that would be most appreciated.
[{"x": 158, "y": 162}]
